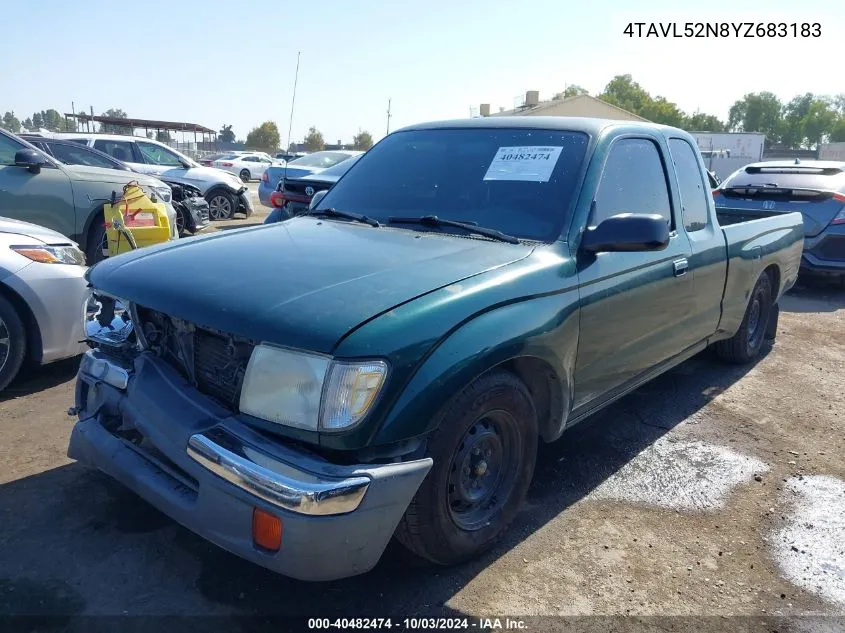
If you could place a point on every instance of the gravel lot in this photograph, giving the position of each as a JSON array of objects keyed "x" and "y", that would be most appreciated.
[{"x": 713, "y": 490}]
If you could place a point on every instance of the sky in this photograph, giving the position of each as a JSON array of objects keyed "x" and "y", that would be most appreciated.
[{"x": 213, "y": 62}]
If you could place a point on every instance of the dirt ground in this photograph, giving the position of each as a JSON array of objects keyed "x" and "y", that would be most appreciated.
[{"x": 715, "y": 490}]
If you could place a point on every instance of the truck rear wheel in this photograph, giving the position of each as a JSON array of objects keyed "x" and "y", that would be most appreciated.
[
  {"x": 745, "y": 345},
  {"x": 484, "y": 451}
]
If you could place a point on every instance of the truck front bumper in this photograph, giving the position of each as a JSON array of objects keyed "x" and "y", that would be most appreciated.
[{"x": 144, "y": 426}]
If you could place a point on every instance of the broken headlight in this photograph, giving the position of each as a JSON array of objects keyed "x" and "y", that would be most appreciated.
[{"x": 107, "y": 321}]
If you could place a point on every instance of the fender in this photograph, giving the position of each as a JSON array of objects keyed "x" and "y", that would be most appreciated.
[{"x": 544, "y": 329}]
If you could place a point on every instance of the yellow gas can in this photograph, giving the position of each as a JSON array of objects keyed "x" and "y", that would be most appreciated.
[{"x": 145, "y": 220}]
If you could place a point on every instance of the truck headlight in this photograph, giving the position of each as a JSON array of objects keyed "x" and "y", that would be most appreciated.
[{"x": 309, "y": 391}]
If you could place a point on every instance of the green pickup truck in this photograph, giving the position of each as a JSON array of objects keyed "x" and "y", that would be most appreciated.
[{"x": 386, "y": 365}]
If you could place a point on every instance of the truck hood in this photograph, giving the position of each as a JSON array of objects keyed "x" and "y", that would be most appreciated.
[
  {"x": 101, "y": 174},
  {"x": 33, "y": 231},
  {"x": 304, "y": 283}
]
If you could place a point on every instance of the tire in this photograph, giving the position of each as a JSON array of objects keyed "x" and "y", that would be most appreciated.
[
  {"x": 245, "y": 175},
  {"x": 12, "y": 343},
  {"x": 745, "y": 345},
  {"x": 97, "y": 246},
  {"x": 488, "y": 434},
  {"x": 221, "y": 204},
  {"x": 182, "y": 222}
]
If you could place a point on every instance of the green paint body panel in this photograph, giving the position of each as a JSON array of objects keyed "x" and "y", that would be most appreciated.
[{"x": 443, "y": 309}]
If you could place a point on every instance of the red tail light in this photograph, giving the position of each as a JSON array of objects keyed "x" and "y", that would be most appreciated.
[
  {"x": 277, "y": 199},
  {"x": 716, "y": 193},
  {"x": 840, "y": 217},
  {"x": 226, "y": 164}
]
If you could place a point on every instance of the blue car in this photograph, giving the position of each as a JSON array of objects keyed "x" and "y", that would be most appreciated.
[
  {"x": 297, "y": 168},
  {"x": 816, "y": 188}
]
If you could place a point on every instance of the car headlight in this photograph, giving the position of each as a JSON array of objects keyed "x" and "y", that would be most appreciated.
[
  {"x": 162, "y": 193},
  {"x": 67, "y": 254},
  {"x": 309, "y": 391}
]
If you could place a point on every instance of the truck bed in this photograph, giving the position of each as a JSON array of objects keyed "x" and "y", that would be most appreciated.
[{"x": 755, "y": 240}]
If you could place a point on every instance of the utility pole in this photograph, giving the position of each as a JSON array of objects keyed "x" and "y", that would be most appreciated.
[
  {"x": 388, "y": 115},
  {"x": 292, "y": 103}
]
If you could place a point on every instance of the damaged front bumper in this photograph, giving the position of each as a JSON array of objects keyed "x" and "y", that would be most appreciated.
[
  {"x": 245, "y": 202},
  {"x": 142, "y": 424}
]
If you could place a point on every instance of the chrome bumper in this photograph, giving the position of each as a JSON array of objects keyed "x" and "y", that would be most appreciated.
[{"x": 277, "y": 482}]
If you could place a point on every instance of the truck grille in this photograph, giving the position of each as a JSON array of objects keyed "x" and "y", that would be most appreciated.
[{"x": 213, "y": 362}]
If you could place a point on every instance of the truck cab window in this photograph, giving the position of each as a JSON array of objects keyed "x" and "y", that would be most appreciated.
[
  {"x": 692, "y": 187},
  {"x": 633, "y": 181}
]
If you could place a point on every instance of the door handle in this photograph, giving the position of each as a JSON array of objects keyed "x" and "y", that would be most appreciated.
[{"x": 681, "y": 266}]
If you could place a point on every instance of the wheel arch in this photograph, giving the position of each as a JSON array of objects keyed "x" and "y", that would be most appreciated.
[{"x": 34, "y": 345}]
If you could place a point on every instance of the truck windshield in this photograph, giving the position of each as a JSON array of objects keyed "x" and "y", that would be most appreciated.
[{"x": 518, "y": 181}]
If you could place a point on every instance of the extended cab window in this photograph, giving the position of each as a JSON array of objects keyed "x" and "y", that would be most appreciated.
[
  {"x": 121, "y": 150},
  {"x": 694, "y": 194},
  {"x": 519, "y": 181},
  {"x": 157, "y": 155},
  {"x": 633, "y": 181}
]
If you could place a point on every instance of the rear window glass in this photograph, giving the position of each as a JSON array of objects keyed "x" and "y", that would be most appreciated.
[
  {"x": 786, "y": 177},
  {"x": 321, "y": 159},
  {"x": 518, "y": 181}
]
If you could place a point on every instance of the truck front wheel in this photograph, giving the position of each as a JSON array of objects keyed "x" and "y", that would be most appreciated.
[
  {"x": 745, "y": 345},
  {"x": 484, "y": 451}
]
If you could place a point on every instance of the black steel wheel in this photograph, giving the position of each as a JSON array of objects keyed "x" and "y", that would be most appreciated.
[
  {"x": 484, "y": 451},
  {"x": 745, "y": 345}
]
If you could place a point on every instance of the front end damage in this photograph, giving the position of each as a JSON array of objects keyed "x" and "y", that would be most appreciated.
[{"x": 157, "y": 407}]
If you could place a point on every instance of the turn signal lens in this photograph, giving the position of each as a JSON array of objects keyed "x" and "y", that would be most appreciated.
[{"x": 266, "y": 530}]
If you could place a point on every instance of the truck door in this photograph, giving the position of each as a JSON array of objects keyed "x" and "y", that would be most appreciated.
[
  {"x": 708, "y": 262},
  {"x": 633, "y": 305},
  {"x": 45, "y": 198}
]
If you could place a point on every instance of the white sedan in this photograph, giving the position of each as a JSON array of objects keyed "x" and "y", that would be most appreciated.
[{"x": 246, "y": 166}]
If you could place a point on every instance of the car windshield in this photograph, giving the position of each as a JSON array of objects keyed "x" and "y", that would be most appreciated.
[
  {"x": 321, "y": 159},
  {"x": 518, "y": 181}
]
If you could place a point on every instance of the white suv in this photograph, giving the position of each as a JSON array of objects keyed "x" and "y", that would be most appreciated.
[{"x": 225, "y": 193}]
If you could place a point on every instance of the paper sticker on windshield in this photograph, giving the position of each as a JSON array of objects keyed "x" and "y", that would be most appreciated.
[{"x": 532, "y": 163}]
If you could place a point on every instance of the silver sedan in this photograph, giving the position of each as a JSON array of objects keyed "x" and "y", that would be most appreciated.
[{"x": 43, "y": 297}]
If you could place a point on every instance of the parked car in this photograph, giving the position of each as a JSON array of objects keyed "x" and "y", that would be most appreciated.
[
  {"x": 225, "y": 193},
  {"x": 43, "y": 292},
  {"x": 70, "y": 153},
  {"x": 206, "y": 161},
  {"x": 310, "y": 164},
  {"x": 468, "y": 289},
  {"x": 293, "y": 196},
  {"x": 69, "y": 199},
  {"x": 815, "y": 188},
  {"x": 246, "y": 166}
]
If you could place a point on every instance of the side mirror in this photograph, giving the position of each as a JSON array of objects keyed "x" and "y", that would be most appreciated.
[
  {"x": 627, "y": 232},
  {"x": 30, "y": 159},
  {"x": 315, "y": 200}
]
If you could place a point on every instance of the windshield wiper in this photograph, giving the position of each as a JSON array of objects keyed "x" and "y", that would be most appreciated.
[
  {"x": 348, "y": 215},
  {"x": 434, "y": 221}
]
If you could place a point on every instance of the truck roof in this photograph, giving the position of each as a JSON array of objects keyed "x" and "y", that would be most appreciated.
[{"x": 587, "y": 125}]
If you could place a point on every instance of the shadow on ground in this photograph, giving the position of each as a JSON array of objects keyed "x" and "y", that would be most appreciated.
[
  {"x": 59, "y": 525},
  {"x": 35, "y": 379},
  {"x": 814, "y": 295}
]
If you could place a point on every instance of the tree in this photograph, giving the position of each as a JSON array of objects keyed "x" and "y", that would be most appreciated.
[
  {"x": 792, "y": 130},
  {"x": 363, "y": 140},
  {"x": 163, "y": 136},
  {"x": 625, "y": 93},
  {"x": 662, "y": 111},
  {"x": 37, "y": 121},
  {"x": 571, "y": 91},
  {"x": 757, "y": 112},
  {"x": 265, "y": 136},
  {"x": 27, "y": 123},
  {"x": 700, "y": 122},
  {"x": 819, "y": 121},
  {"x": 226, "y": 135},
  {"x": 111, "y": 128},
  {"x": 11, "y": 123},
  {"x": 314, "y": 140},
  {"x": 53, "y": 121},
  {"x": 837, "y": 133}
]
